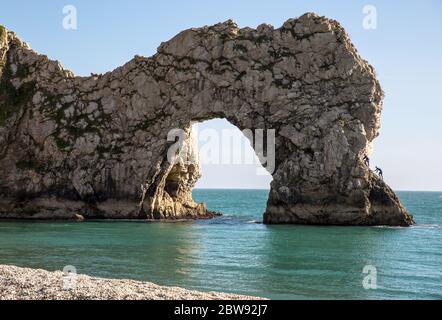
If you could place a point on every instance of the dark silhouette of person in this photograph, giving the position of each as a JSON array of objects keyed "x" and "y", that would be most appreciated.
[
  {"x": 379, "y": 172},
  {"x": 367, "y": 160}
]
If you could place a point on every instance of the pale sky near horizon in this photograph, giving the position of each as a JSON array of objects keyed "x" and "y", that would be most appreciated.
[{"x": 405, "y": 50}]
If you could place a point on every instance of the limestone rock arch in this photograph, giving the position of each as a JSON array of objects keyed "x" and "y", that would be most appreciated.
[{"x": 97, "y": 145}]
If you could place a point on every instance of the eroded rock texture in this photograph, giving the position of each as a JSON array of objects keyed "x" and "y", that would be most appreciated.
[{"x": 97, "y": 145}]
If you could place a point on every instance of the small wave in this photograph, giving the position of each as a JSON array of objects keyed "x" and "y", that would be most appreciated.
[
  {"x": 389, "y": 227},
  {"x": 252, "y": 221},
  {"x": 429, "y": 226},
  {"x": 423, "y": 226}
]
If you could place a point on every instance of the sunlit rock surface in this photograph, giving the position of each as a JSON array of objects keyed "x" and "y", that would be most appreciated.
[{"x": 97, "y": 146}]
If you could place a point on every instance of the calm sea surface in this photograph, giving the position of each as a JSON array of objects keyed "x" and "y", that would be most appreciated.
[{"x": 237, "y": 253}]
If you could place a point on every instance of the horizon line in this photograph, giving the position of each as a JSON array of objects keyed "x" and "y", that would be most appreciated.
[{"x": 224, "y": 188}]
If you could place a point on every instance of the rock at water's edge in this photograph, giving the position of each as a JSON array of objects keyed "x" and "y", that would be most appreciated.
[{"x": 97, "y": 145}]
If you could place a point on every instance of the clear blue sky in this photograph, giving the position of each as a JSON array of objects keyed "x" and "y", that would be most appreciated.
[{"x": 405, "y": 49}]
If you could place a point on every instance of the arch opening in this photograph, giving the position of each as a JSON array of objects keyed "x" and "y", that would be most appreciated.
[
  {"x": 215, "y": 154},
  {"x": 227, "y": 158},
  {"x": 98, "y": 144}
]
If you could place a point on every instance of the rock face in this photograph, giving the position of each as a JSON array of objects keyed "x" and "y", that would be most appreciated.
[{"x": 97, "y": 146}]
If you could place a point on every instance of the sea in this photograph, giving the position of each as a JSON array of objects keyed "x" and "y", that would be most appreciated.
[{"x": 237, "y": 253}]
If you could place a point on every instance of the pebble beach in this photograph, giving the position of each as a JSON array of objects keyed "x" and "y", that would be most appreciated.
[{"x": 35, "y": 284}]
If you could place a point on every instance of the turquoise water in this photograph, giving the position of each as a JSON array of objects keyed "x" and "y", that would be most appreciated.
[{"x": 236, "y": 253}]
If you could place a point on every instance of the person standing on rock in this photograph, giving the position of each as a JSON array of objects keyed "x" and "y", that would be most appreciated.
[
  {"x": 379, "y": 172},
  {"x": 367, "y": 161}
]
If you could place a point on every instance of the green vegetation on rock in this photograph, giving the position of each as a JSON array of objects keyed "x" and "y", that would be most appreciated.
[{"x": 12, "y": 100}]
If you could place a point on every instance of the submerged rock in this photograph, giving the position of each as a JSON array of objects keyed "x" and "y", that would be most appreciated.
[{"x": 97, "y": 146}]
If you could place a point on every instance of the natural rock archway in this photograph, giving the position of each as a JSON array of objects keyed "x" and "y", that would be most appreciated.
[{"x": 97, "y": 145}]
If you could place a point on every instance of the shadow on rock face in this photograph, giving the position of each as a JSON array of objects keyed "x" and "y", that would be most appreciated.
[{"x": 102, "y": 139}]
